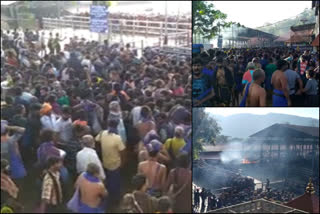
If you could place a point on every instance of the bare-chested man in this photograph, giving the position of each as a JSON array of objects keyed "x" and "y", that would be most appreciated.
[
  {"x": 255, "y": 95},
  {"x": 280, "y": 84},
  {"x": 155, "y": 172},
  {"x": 92, "y": 190}
]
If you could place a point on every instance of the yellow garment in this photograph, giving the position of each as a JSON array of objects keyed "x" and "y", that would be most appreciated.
[
  {"x": 99, "y": 80},
  {"x": 177, "y": 144},
  {"x": 111, "y": 146}
]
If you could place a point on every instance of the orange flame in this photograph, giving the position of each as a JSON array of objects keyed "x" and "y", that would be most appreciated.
[{"x": 246, "y": 161}]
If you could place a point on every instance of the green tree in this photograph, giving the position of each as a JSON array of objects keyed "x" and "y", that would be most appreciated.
[
  {"x": 206, "y": 20},
  {"x": 205, "y": 130},
  {"x": 102, "y": 3},
  {"x": 223, "y": 139}
]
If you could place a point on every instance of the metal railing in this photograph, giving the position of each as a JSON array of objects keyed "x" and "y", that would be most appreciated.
[
  {"x": 138, "y": 27},
  {"x": 179, "y": 32}
]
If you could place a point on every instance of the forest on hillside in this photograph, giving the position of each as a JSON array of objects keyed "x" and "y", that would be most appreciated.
[{"x": 282, "y": 28}]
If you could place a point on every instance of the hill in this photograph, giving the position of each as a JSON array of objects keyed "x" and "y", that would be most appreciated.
[{"x": 243, "y": 125}]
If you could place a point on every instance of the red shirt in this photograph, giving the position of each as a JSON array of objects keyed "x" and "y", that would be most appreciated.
[
  {"x": 13, "y": 61},
  {"x": 303, "y": 67}
]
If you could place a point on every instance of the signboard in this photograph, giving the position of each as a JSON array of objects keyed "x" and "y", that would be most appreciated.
[
  {"x": 196, "y": 48},
  {"x": 220, "y": 42},
  {"x": 301, "y": 47},
  {"x": 98, "y": 19}
]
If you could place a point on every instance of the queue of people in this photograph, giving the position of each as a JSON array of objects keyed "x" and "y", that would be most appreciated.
[
  {"x": 240, "y": 189},
  {"x": 255, "y": 77},
  {"x": 91, "y": 128}
]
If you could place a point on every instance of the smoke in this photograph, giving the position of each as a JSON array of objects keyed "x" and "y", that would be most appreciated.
[
  {"x": 232, "y": 152},
  {"x": 235, "y": 152},
  {"x": 265, "y": 160},
  {"x": 230, "y": 33}
]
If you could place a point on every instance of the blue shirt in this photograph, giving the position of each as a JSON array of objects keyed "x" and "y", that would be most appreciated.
[
  {"x": 201, "y": 88},
  {"x": 207, "y": 71},
  {"x": 196, "y": 48}
]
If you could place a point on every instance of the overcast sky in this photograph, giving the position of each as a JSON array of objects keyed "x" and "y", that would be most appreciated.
[
  {"x": 302, "y": 112},
  {"x": 6, "y": 2},
  {"x": 256, "y": 13},
  {"x": 158, "y": 6}
]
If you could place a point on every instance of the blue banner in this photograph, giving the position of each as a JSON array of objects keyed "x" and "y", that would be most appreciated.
[{"x": 98, "y": 19}]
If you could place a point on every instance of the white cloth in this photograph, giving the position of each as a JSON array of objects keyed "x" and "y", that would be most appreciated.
[
  {"x": 49, "y": 122},
  {"x": 64, "y": 75},
  {"x": 64, "y": 127},
  {"x": 88, "y": 155},
  {"x": 135, "y": 113}
]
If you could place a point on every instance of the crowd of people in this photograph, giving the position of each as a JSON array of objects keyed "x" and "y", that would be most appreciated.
[
  {"x": 255, "y": 77},
  {"x": 91, "y": 128},
  {"x": 239, "y": 190}
]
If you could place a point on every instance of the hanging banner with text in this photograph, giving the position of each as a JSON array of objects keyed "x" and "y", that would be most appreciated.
[{"x": 98, "y": 19}]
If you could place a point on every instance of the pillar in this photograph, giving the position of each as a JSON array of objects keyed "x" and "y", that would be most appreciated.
[
  {"x": 313, "y": 157},
  {"x": 261, "y": 152},
  {"x": 270, "y": 151}
]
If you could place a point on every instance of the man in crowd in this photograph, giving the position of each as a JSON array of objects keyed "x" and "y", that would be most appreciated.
[
  {"x": 153, "y": 170},
  {"x": 293, "y": 78},
  {"x": 280, "y": 83},
  {"x": 254, "y": 94},
  {"x": 202, "y": 86},
  {"x": 112, "y": 149},
  {"x": 51, "y": 187},
  {"x": 88, "y": 155},
  {"x": 91, "y": 190}
]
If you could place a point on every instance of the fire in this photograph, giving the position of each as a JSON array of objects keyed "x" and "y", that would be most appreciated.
[{"x": 246, "y": 161}]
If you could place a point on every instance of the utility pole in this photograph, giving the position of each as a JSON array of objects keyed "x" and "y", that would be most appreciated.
[
  {"x": 177, "y": 23},
  {"x": 166, "y": 24},
  {"x": 232, "y": 37},
  {"x": 59, "y": 17}
]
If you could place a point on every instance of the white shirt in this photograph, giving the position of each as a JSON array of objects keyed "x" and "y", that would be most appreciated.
[
  {"x": 49, "y": 122},
  {"x": 88, "y": 155},
  {"x": 64, "y": 75},
  {"x": 64, "y": 127},
  {"x": 135, "y": 113}
]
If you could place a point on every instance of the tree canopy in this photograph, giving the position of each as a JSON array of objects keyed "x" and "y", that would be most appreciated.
[
  {"x": 206, "y": 20},
  {"x": 205, "y": 130}
]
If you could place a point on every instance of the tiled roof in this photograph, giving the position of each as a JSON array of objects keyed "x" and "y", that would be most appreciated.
[
  {"x": 282, "y": 130},
  {"x": 306, "y": 202}
]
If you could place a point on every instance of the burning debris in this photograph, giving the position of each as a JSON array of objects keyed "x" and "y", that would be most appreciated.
[{"x": 246, "y": 161}]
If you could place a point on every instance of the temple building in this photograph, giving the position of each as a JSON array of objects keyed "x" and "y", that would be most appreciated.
[
  {"x": 301, "y": 36},
  {"x": 308, "y": 202},
  {"x": 315, "y": 43}
]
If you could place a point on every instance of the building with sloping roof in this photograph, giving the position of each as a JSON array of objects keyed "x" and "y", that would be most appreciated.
[
  {"x": 281, "y": 130},
  {"x": 248, "y": 37},
  {"x": 258, "y": 206},
  {"x": 308, "y": 202},
  {"x": 301, "y": 35},
  {"x": 315, "y": 43},
  {"x": 297, "y": 141},
  {"x": 296, "y": 146}
]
